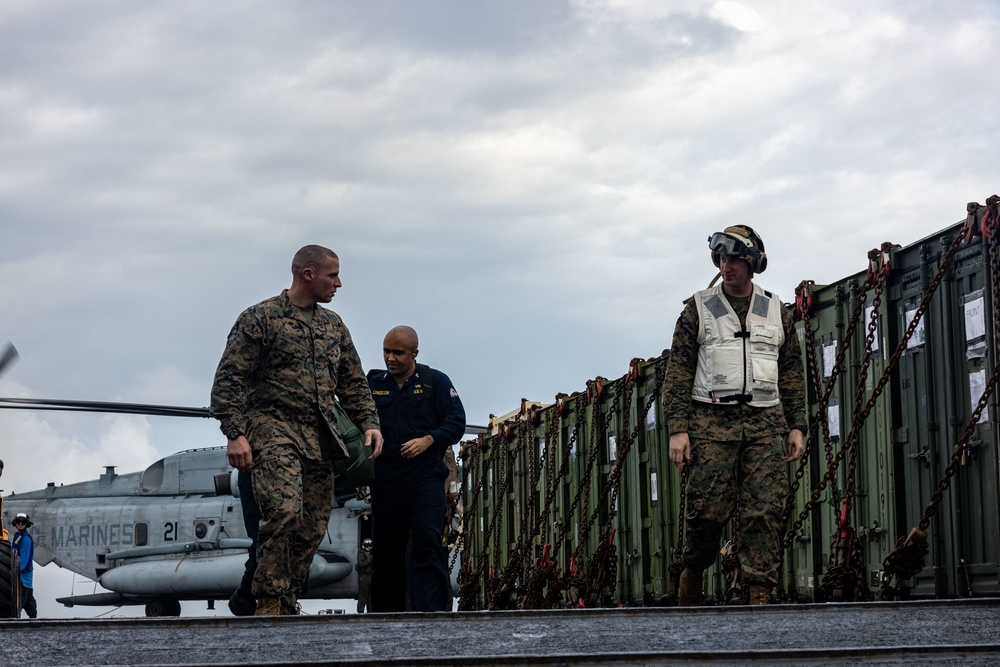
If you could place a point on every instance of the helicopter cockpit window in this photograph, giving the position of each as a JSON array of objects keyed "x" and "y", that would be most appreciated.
[{"x": 141, "y": 534}]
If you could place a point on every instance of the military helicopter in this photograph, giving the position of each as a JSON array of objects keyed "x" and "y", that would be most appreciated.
[{"x": 171, "y": 532}]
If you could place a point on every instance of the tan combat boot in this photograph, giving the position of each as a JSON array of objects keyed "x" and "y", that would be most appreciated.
[
  {"x": 689, "y": 592},
  {"x": 760, "y": 594},
  {"x": 270, "y": 607}
]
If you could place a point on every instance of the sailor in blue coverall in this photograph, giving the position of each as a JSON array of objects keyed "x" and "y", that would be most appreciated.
[
  {"x": 24, "y": 544},
  {"x": 420, "y": 415}
]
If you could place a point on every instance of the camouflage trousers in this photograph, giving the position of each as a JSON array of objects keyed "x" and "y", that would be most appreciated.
[
  {"x": 295, "y": 497},
  {"x": 752, "y": 472}
]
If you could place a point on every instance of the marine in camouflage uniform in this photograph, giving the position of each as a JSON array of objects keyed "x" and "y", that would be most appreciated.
[
  {"x": 737, "y": 453},
  {"x": 285, "y": 360}
]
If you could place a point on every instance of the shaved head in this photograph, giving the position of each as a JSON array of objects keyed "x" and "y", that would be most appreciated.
[
  {"x": 311, "y": 254},
  {"x": 399, "y": 349},
  {"x": 406, "y": 333},
  {"x": 315, "y": 276}
]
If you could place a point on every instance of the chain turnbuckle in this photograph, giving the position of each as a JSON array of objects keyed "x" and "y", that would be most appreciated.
[
  {"x": 970, "y": 229},
  {"x": 803, "y": 299},
  {"x": 991, "y": 217},
  {"x": 905, "y": 561}
]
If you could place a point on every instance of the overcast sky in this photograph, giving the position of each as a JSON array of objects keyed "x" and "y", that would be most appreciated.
[{"x": 530, "y": 184}]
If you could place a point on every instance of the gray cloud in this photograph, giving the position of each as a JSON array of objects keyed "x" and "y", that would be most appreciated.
[{"x": 529, "y": 184}]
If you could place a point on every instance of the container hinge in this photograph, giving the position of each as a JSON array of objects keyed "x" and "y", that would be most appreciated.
[{"x": 922, "y": 455}]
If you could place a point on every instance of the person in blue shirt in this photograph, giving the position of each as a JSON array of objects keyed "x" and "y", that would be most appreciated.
[
  {"x": 421, "y": 416},
  {"x": 25, "y": 546}
]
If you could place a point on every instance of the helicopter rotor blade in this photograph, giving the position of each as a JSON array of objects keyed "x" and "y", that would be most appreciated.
[
  {"x": 102, "y": 406},
  {"x": 8, "y": 357},
  {"x": 130, "y": 409}
]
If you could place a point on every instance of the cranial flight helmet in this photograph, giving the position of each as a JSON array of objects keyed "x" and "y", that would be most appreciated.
[
  {"x": 22, "y": 517},
  {"x": 741, "y": 242},
  {"x": 367, "y": 542}
]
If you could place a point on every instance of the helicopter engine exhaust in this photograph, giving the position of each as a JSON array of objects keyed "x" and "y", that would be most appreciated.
[{"x": 227, "y": 484}]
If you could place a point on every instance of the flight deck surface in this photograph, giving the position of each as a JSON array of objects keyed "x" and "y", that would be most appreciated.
[{"x": 917, "y": 633}]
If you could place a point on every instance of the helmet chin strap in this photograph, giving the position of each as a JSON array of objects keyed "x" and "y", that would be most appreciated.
[{"x": 719, "y": 275}]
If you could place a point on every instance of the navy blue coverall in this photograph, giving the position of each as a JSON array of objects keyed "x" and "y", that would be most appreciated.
[{"x": 408, "y": 496}]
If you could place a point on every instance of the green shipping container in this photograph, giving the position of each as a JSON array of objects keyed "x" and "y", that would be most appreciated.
[{"x": 577, "y": 504}]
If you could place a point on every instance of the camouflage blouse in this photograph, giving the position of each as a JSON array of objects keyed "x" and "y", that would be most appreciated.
[{"x": 279, "y": 374}]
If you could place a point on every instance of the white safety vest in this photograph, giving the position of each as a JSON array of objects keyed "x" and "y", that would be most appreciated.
[{"x": 737, "y": 364}]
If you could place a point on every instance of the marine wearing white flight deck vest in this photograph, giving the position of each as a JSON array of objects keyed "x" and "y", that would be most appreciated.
[{"x": 737, "y": 363}]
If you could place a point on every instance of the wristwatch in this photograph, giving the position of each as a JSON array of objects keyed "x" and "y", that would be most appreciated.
[{"x": 233, "y": 434}]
